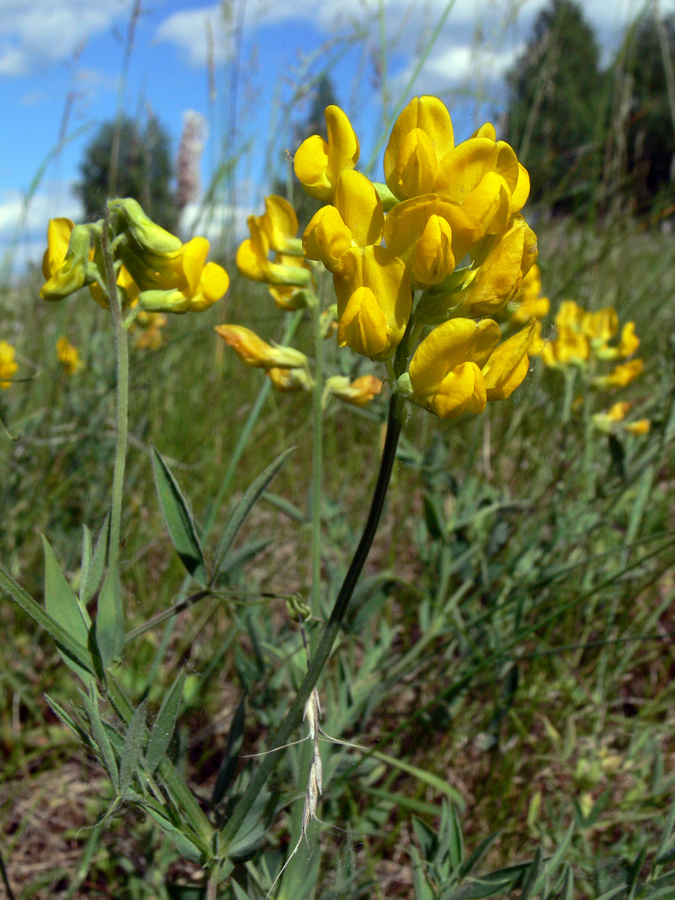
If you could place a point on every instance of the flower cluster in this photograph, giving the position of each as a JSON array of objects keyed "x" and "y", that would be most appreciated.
[
  {"x": 417, "y": 262},
  {"x": 446, "y": 224},
  {"x": 583, "y": 340},
  {"x": 154, "y": 270},
  {"x": 273, "y": 254}
]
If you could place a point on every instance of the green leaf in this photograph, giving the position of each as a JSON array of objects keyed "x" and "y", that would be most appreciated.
[
  {"x": 243, "y": 508},
  {"x": 187, "y": 844},
  {"x": 534, "y": 875},
  {"x": 69, "y": 721},
  {"x": 567, "y": 892},
  {"x": 110, "y": 618},
  {"x": 253, "y": 829},
  {"x": 228, "y": 765},
  {"x": 92, "y": 573},
  {"x": 102, "y": 740},
  {"x": 285, "y": 506},
  {"x": 63, "y": 606},
  {"x": 427, "y": 777},
  {"x": 456, "y": 841},
  {"x": 162, "y": 730},
  {"x": 131, "y": 749},
  {"x": 75, "y": 651},
  {"x": 478, "y": 854},
  {"x": 178, "y": 518}
]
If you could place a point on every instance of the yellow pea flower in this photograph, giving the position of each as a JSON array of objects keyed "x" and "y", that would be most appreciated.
[
  {"x": 445, "y": 371},
  {"x": 529, "y": 304},
  {"x": 359, "y": 392},
  {"x": 374, "y": 301},
  {"x": 355, "y": 221},
  {"x": 422, "y": 135},
  {"x": 568, "y": 348},
  {"x": 64, "y": 264},
  {"x": 253, "y": 260},
  {"x": 68, "y": 356},
  {"x": 640, "y": 426},
  {"x": 318, "y": 163},
  {"x": 600, "y": 327},
  {"x": 290, "y": 380},
  {"x": 280, "y": 224},
  {"x": 508, "y": 364},
  {"x": 255, "y": 352},
  {"x": 500, "y": 276},
  {"x": 8, "y": 365},
  {"x": 150, "y": 237},
  {"x": 621, "y": 375},
  {"x": 627, "y": 346}
]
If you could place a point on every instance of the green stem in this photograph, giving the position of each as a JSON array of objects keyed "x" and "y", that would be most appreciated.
[
  {"x": 122, "y": 352},
  {"x": 317, "y": 457},
  {"x": 294, "y": 715}
]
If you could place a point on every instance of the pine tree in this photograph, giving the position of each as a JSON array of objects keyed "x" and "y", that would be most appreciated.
[
  {"x": 557, "y": 105},
  {"x": 144, "y": 170}
]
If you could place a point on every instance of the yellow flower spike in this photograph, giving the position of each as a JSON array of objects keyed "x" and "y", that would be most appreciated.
[
  {"x": 255, "y": 352},
  {"x": 64, "y": 264},
  {"x": 434, "y": 259},
  {"x": 445, "y": 371},
  {"x": 621, "y": 376},
  {"x": 68, "y": 356},
  {"x": 289, "y": 381},
  {"x": 363, "y": 324},
  {"x": 318, "y": 163},
  {"x": 280, "y": 224},
  {"x": 359, "y": 392},
  {"x": 388, "y": 284},
  {"x": 500, "y": 276},
  {"x": 8, "y": 365},
  {"x": 253, "y": 260},
  {"x": 422, "y": 135},
  {"x": 508, "y": 364},
  {"x": 641, "y": 426}
]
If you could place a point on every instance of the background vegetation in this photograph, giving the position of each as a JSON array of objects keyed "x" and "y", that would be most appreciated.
[{"x": 508, "y": 661}]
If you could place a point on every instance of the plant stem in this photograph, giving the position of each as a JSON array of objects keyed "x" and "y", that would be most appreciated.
[
  {"x": 317, "y": 457},
  {"x": 294, "y": 715},
  {"x": 122, "y": 352}
]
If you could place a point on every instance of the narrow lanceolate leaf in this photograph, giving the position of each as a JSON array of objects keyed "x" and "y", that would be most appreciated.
[
  {"x": 228, "y": 766},
  {"x": 110, "y": 619},
  {"x": 92, "y": 578},
  {"x": 63, "y": 606},
  {"x": 102, "y": 740},
  {"x": 132, "y": 747},
  {"x": 243, "y": 508},
  {"x": 75, "y": 651},
  {"x": 69, "y": 721},
  {"x": 178, "y": 518},
  {"x": 162, "y": 730}
]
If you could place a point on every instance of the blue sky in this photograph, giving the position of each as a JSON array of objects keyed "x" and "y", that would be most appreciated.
[{"x": 53, "y": 50}]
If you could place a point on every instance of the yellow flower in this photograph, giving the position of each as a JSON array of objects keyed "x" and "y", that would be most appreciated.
[
  {"x": 8, "y": 365},
  {"x": 255, "y": 352},
  {"x": 68, "y": 356},
  {"x": 422, "y": 136},
  {"x": 290, "y": 380},
  {"x": 613, "y": 418},
  {"x": 374, "y": 301},
  {"x": 150, "y": 237},
  {"x": 360, "y": 392},
  {"x": 253, "y": 260},
  {"x": 500, "y": 275},
  {"x": 286, "y": 296},
  {"x": 621, "y": 375},
  {"x": 508, "y": 364},
  {"x": 318, "y": 163},
  {"x": 127, "y": 287},
  {"x": 280, "y": 224},
  {"x": 640, "y": 426},
  {"x": 356, "y": 221},
  {"x": 529, "y": 304},
  {"x": 600, "y": 327},
  {"x": 64, "y": 264}
]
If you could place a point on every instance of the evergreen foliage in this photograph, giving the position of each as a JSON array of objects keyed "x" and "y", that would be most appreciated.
[
  {"x": 144, "y": 170},
  {"x": 556, "y": 107}
]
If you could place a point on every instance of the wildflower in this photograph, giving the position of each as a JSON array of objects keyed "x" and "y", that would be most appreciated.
[
  {"x": 359, "y": 392},
  {"x": 290, "y": 380},
  {"x": 459, "y": 366},
  {"x": 64, "y": 264},
  {"x": 318, "y": 163},
  {"x": 127, "y": 289},
  {"x": 613, "y": 419},
  {"x": 68, "y": 356},
  {"x": 8, "y": 365},
  {"x": 620, "y": 376},
  {"x": 255, "y": 352},
  {"x": 253, "y": 260},
  {"x": 529, "y": 304}
]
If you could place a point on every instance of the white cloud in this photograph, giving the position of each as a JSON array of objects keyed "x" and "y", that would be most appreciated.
[
  {"x": 189, "y": 31},
  {"x": 34, "y": 33},
  {"x": 23, "y": 228}
]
